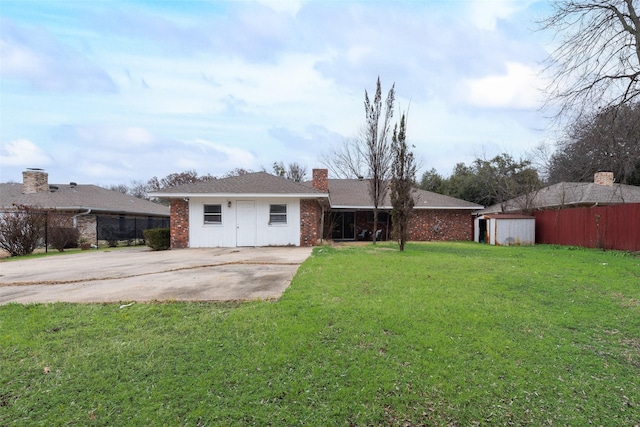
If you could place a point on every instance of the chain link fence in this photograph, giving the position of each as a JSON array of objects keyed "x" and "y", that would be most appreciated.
[{"x": 128, "y": 229}]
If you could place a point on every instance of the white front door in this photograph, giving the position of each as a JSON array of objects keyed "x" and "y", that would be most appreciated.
[{"x": 246, "y": 223}]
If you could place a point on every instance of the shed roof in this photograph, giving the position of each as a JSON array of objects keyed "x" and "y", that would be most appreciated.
[
  {"x": 508, "y": 216},
  {"x": 80, "y": 197}
]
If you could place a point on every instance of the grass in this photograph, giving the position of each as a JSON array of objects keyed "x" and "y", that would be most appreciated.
[{"x": 446, "y": 334}]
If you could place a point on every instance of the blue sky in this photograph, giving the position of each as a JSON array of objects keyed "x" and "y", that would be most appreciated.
[{"x": 108, "y": 92}]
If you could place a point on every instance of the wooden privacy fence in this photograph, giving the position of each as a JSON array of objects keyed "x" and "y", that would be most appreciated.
[{"x": 607, "y": 227}]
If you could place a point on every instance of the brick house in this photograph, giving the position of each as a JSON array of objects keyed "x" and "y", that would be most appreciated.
[
  {"x": 259, "y": 209},
  {"x": 98, "y": 213}
]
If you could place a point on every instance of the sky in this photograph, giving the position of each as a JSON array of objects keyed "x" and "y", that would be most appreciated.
[{"x": 112, "y": 92}]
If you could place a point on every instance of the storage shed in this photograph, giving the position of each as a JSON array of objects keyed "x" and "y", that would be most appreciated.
[{"x": 505, "y": 229}]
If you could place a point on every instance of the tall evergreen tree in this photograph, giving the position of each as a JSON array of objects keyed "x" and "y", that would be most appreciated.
[
  {"x": 403, "y": 173},
  {"x": 376, "y": 146}
]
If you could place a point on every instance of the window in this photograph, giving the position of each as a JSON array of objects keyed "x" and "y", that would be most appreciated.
[
  {"x": 213, "y": 214},
  {"x": 277, "y": 214}
]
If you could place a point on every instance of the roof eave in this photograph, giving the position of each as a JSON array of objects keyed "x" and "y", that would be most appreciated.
[
  {"x": 106, "y": 210},
  {"x": 241, "y": 195}
]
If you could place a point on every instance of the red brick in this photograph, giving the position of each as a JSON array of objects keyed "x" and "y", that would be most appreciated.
[
  {"x": 179, "y": 223},
  {"x": 320, "y": 180},
  {"x": 428, "y": 225},
  {"x": 310, "y": 219}
]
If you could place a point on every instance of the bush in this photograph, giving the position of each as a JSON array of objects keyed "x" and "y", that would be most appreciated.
[
  {"x": 20, "y": 230},
  {"x": 158, "y": 239},
  {"x": 62, "y": 238}
]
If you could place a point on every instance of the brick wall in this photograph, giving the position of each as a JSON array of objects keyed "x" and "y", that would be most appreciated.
[
  {"x": 427, "y": 225},
  {"x": 87, "y": 226},
  {"x": 310, "y": 219},
  {"x": 179, "y": 223},
  {"x": 35, "y": 181}
]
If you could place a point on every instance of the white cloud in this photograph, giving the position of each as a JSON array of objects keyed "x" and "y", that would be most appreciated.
[
  {"x": 287, "y": 6},
  {"x": 212, "y": 86},
  {"x": 485, "y": 14},
  {"x": 36, "y": 55},
  {"x": 23, "y": 152},
  {"x": 228, "y": 156},
  {"x": 518, "y": 88}
]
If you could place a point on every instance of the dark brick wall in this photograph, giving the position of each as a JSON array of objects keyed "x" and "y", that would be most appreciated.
[
  {"x": 427, "y": 225},
  {"x": 310, "y": 218},
  {"x": 179, "y": 223}
]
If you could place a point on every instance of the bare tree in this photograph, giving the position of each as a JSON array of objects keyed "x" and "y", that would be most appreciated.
[
  {"x": 376, "y": 145},
  {"x": 21, "y": 229},
  {"x": 296, "y": 172},
  {"x": 597, "y": 62},
  {"x": 403, "y": 174},
  {"x": 608, "y": 140},
  {"x": 232, "y": 172},
  {"x": 175, "y": 179},
  {"x": 293, "y": 172},
  {"x": 61, "y": 234},
  {"x": 347, "y": 160}
]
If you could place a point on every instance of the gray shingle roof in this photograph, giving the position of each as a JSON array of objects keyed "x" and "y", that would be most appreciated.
[
  {"x": 251, "y": 183},
  {"x": 80, "y": 197},
  {"x": 573, "y": 194},
  {"x": 354, "y": 193}
]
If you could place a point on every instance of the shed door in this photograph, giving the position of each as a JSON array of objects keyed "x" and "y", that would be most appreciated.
[{"x": 246, "y": 223}]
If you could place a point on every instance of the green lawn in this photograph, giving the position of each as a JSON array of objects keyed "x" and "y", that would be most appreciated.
[{"x": 444, "y": 334}]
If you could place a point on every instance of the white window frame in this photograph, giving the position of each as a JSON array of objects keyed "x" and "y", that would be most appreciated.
[
  {"x": 277, "y": 214},
  {"x": 212, "y": 214}
]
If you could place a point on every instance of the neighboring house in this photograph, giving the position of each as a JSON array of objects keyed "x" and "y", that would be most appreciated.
[
  {"x": 98, "y": 213},
  {"x": 602, "y": 192},
  {"x": 260, "y": 209},
  {"x": 599, "y": 214}
]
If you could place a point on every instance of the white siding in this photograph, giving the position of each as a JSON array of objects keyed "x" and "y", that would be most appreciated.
[
  {"x": 509, "y": 232},
  {"x": 224, "y": 235},
  {"x": 506, "y": 231}
]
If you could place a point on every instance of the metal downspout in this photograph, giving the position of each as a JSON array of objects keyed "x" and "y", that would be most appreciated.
[{"x": 75, "y": 222}]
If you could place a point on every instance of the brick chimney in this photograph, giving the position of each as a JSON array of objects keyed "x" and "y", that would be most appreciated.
[
  {"x": 35, "y": 181},
  {"x": 320, "y": 180},
  {"x": 603, "y": 178}
]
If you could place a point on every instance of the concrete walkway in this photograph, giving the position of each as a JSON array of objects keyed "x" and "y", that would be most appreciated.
[{"x": 139, "y": 274}]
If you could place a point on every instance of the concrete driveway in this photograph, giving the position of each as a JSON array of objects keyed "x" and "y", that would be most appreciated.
[{"x": 139, "y": 274}]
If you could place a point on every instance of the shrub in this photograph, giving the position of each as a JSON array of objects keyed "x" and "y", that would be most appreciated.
[
  {"x": 20, "y": 230},
  {"x": 61, "y": 234},
  {"x": 62, "y": 238},
  {"x": 158, "y": 239}
]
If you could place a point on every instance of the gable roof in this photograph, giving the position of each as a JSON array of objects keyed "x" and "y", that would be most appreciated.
[
  {"x": 567, "y": 194},
  {"x": 258, "y": 184},
  {"x": 80, "y": 197},
  {"x": 354, "y": 194}
]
